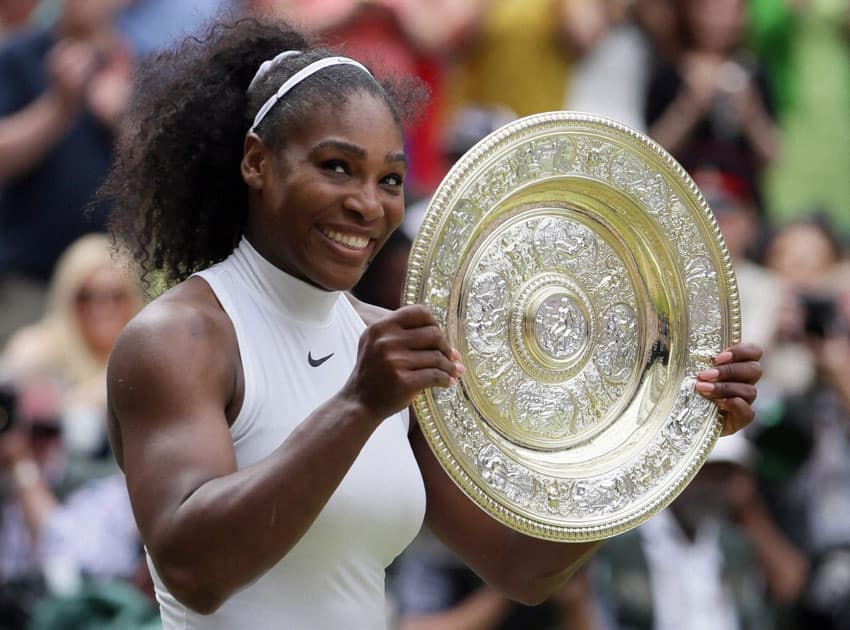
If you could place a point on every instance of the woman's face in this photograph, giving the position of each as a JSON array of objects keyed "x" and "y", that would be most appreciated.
[
  {"x": 323, "y": 206},
  {"x": 716, "y": 25},
  {"x": 104, "y": 304},
  {"x": 802, "y": 254}
]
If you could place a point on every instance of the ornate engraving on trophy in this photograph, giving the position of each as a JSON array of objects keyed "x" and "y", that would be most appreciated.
[{"x": 560, "y": 327}]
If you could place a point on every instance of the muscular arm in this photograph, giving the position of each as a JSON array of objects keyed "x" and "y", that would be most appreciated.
[{"x": 209, "y": 527}]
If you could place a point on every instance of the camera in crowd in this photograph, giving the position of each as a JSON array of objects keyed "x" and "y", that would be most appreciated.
[{"x": 822, "y": 317}]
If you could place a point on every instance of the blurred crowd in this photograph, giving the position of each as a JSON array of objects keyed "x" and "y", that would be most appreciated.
[{"x": 751, "y": 96}]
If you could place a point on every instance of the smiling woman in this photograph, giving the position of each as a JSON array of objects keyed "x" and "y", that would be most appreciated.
[{"x": 259, "y": 412}]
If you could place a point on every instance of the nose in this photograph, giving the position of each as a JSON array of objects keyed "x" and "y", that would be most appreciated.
[{"x": 365, "y": 202}]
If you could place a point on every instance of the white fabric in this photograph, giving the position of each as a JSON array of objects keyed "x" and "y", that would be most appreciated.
[
  {"x": 334, "y": 576},
  {"x": 611, "y": 80},
  {"x": 298, "y": 77},
  {"x": 687, "y": 586}
]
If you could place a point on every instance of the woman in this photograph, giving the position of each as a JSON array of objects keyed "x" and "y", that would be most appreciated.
[
  {"x": 712, "y": 104},
  {"x": 57, "y": 367},
  {"x": 260, "y": 414},
  {"x": 90, "y": 299}
]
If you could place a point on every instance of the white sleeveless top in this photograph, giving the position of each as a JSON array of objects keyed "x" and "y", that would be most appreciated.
[{"x": 298, "y": 346}]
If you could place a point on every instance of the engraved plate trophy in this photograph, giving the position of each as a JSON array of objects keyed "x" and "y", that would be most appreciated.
[{"x": 583, "y": 278}]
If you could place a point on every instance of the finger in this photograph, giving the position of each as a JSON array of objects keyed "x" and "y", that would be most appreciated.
[
  {"x": 746, "y": 372},
  {"x": 420, "y": 380},
  {"x": 413, "y": 316},
  {"x": 736, "y": 413},
  {"x": 716, "y": 391},
  {"x": 423, "y": 359},
  {"x": 426, "y": 338},
  {"x": 739, "y": 353}
]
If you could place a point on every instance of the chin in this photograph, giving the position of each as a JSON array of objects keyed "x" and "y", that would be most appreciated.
[{"x": 337, "y": 282}]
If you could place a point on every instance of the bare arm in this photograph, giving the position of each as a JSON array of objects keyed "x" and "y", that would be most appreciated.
[
  {"x": 209, "y": 527},
  {"x": 678, "y": 121},
  {"x": 29, "y": 134},
  {"x": 758, "y": 127}
]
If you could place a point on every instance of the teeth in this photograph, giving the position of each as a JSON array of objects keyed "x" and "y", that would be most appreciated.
[{"x": 349, "y": 240}]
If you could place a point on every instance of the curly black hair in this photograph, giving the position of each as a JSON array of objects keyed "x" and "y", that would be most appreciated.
[{"x": 179, "y": 201}]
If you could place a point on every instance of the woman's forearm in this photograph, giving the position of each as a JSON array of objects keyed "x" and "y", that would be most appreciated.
[{"x": 260, "y": 511}]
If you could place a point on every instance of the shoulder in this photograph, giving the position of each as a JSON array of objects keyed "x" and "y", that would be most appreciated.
[
  {"x": 185, "y": 325},
  {"x": 369, "y": 313}
]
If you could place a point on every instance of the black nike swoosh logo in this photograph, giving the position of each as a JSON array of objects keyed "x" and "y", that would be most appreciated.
[{"x": 317, "y": 362}]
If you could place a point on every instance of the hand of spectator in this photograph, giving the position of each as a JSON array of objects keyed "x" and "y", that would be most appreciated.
[
  {"x": 701, "y": 75},
  {"x": 70, "y": 65},
  {"x": 745, "y": 101},
  {"x": 109, "y": 93},
  {"x": 731, "y": 384}
]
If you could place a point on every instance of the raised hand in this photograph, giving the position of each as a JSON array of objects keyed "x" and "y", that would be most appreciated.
[
  {"x": 731, "y": 384},
  {"x": 70, "y": 65}
]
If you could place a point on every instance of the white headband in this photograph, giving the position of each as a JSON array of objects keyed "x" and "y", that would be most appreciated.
[{"x": 295, "y": 79}]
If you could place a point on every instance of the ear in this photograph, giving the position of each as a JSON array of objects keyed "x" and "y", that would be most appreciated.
[{"x": 256, "y": 161}]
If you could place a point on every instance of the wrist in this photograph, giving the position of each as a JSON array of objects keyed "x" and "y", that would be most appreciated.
[
  {"x": 60, "y": 107},
  {"x": 356, "y": 411}
]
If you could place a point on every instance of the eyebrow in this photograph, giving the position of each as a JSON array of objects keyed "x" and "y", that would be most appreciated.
[{"x": 356, "y": 151}]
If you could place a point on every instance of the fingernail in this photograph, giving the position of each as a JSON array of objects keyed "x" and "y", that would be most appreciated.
[
  {"x": 709, "y": 375},
  {"x": 704, "y": 388},
  {"x": 452, "y": 381},
  {"x": 723, "y": 357},
  {"x": 460, "y": 368},
  {"x": 455, "y": 354}
]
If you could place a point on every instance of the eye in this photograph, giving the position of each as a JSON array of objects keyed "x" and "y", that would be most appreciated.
[
  {"x": 393, "y": 179},
  {"x": 335, "y": 166}
]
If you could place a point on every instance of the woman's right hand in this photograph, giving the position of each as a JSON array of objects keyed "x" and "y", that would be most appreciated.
[{"x": 399, "y": 356}]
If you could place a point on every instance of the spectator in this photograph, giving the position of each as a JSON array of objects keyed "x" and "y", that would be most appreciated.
[
  {"x": 714, "y": 559},
  {"x": 90, "y": 299},
  {"x": 624, "y": 58},
  {"x": 713, "y": 103},
  {"x": 63, "y": 92},
  {"x": 805, "y": 455},
  {"x": 522, "y": 53},
  {"x": 57, "y": 368}
]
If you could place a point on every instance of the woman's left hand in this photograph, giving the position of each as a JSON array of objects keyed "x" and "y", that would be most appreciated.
[{"x": 731, "y": 383}]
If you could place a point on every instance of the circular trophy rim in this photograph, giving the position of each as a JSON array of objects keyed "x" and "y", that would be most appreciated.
[{"x": 527, "y": 129}]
